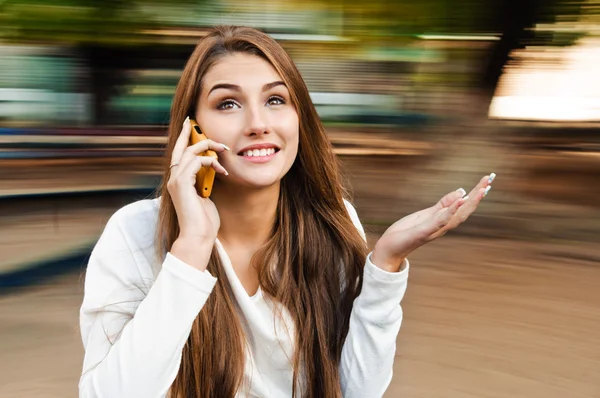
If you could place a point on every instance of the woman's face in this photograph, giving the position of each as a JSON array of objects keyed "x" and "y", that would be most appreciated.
[{"x": 245, "y": 105}]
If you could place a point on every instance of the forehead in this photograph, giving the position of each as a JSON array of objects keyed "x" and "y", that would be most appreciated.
[{"x": 244, "y": 70}]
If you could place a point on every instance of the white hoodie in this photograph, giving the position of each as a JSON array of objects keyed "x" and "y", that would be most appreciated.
[{"x": 140, "y": 357}]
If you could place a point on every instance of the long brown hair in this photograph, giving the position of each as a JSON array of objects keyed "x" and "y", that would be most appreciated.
[{"x": 318, "y": 251}]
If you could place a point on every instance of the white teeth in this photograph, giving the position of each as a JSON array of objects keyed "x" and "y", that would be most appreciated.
[{"x": 259, "y": 152}]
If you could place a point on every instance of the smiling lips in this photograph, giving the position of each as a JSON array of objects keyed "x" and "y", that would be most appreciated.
[{"x": 259, "y": 153}]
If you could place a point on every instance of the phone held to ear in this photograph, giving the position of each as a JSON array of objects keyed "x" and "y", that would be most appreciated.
[{"x": 206, "y": 176}]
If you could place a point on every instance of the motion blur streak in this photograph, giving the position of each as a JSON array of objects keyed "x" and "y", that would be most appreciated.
[{"x": 419, "y": 98}]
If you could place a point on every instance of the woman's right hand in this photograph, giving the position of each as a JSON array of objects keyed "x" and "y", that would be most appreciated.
[{"x": 197, "y": 216}]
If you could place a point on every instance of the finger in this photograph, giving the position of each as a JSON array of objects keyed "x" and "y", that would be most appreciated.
[
  {"x": 194, "y": 166},
  {"x": 436, "y": 223},
  {"x": 207, "y": 144},
  {"x": 470, "y": 206},
  {"x": 483, "y": 183},
  {"x": 447, "y": 218},
  {"x": 194, "y": 150},
  {"x": 442, "y": 218},
  {"x": 444, "y": 202},
  {"x": 182, "y": 142},
  {"x": 453, "y": 209},
  {"x": 450, "y": 198}
]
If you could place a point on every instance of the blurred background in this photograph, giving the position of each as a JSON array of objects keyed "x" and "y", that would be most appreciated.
[{"x": 419, "y": 98}]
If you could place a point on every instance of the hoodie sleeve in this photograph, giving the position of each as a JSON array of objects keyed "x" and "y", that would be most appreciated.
[
  {"x": 368, "y": 354},
  {"x": 134, "y": 335}
]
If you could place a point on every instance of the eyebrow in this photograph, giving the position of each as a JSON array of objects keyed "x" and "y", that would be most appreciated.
[{"x": 235, "y": 87}]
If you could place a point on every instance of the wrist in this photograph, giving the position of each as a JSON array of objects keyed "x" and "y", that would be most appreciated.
[
  {"x": 193, "y": 251},
  {"x": 386, "y": 262}
]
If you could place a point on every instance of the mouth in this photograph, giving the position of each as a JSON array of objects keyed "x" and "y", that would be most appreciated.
[
  {"x": 255, "y": 153},
  {"x": 258, "y": 151},
  {"x": 259, "y": 154}
]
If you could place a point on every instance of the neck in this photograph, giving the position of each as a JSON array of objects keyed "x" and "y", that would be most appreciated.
[{"x": 247, "y": 215}]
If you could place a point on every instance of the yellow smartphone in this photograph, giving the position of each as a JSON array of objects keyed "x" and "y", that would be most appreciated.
[{"x": 206, "y": 176}]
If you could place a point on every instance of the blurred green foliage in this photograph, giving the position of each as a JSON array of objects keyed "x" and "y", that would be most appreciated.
[
  {"x": 112, "y": 22},
  {"x": 120, "y": 22}
]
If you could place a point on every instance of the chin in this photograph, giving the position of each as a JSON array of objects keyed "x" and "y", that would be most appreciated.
[{"x": 257, "y": 181}]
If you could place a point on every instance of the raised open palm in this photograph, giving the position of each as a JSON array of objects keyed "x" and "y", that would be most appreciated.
[{"x": 414, "y": 230}]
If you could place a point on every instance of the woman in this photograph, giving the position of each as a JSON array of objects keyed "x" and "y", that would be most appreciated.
[{"x": 266, "y": 289}]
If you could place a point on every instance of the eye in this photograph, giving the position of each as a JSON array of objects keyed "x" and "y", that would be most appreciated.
[
  {"x": 227, "y": 104},
  {"x": 275, "y": 100}
]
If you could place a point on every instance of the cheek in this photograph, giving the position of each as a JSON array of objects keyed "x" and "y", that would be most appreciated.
[
  {"x": 289, "y": 128},
  {"x": 222, "y": 130},
  {"x": 292, "y": 138}
]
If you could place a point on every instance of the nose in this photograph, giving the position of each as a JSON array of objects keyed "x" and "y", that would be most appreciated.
[{"x": 257, "y": 123}]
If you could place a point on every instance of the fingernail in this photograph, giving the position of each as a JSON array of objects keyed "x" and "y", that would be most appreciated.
[
  {"x": 492, "y": 176},
  {"x": 462, "y": 192},
  {"x": 187, "y": 119},
  {"x": 226, "y": 173},
  {"x": 487, "y": 190},
  {"x": 226, "y": 147}
]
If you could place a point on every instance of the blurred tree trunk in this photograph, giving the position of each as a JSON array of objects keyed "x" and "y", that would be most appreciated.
[
  {"x": 515, "y": 21},
  {"x": 108, "y": 67},
  {"x": 514, "y": 18}
]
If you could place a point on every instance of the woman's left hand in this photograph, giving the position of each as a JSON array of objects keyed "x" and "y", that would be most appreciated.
[{"x": 414, "y": 230}]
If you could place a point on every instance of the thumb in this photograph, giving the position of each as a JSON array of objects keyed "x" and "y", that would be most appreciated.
[{"x": 435, "y": 226}]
